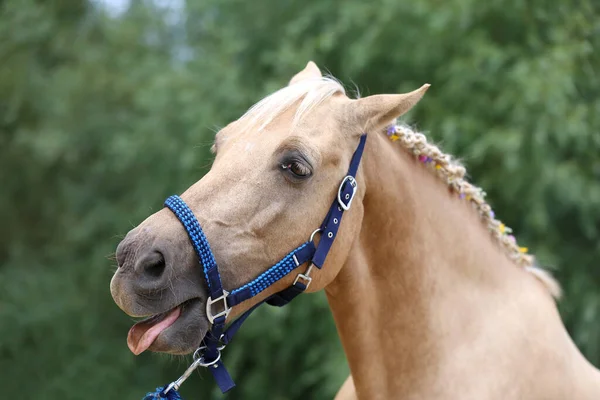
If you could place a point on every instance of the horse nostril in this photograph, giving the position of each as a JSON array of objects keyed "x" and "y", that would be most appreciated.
[{"x": 154, "y": 265}]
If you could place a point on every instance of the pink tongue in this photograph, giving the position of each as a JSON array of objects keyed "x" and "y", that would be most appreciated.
[{"x": 143, "y": 334}]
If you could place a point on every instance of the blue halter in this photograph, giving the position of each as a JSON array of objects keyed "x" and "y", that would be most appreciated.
[{"x": 220, "y": 302}]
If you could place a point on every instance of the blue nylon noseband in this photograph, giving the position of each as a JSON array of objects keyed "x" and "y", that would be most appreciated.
[{"x": 220, "y": 302}]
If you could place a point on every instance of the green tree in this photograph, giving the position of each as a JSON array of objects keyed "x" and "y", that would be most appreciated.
[{"x": 102, "y": 117}]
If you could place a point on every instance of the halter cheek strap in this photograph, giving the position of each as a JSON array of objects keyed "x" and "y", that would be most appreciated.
[{"x": 220, "y": 302}]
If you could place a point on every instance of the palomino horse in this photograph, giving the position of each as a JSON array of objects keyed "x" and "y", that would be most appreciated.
[{"x": 431, "y": 295}]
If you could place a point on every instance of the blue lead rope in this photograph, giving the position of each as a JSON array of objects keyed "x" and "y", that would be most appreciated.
[{"x": 209, "y": 354}]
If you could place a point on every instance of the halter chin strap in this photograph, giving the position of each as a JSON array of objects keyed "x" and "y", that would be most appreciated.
[{"x": 220, "y": 302}]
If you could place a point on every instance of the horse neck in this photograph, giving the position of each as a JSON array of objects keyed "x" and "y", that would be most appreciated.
[{"x": 420, "y": 278}]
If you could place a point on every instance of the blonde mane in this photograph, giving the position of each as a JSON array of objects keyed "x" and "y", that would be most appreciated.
[
  {"x": 310, "y": 93},
  {"x": 453, "y": 174}
]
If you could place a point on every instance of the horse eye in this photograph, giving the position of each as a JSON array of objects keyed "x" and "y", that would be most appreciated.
[{"x": 297, "y": 169}]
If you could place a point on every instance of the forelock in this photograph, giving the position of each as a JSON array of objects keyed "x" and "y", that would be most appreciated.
[{"x": 309, "y": 92}]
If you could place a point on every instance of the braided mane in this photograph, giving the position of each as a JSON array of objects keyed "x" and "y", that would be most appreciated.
[{"x": 452, "y": 173}]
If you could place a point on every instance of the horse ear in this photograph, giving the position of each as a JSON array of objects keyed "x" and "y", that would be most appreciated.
[
  {"x": 378, "y": 111},
  {"x": 311, "y": 71}
]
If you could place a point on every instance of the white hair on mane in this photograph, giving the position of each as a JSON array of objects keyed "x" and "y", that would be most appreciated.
[{"x": 311, "y": 93}]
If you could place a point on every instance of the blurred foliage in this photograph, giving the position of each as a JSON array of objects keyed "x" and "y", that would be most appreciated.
[{"x": 102, "y": 116}]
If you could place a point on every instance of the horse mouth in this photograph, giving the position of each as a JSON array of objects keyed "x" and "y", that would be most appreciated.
[{"x": 169, "y": 331}]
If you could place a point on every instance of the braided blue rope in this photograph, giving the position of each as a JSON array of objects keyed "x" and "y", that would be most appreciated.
[
  {"x": 272, "y": 275},
  {"x": 192, "y": 226},
  {"x": 159, "y": 394}
]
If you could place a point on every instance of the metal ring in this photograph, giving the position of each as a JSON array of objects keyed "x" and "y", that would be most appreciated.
[
  {"x": 199, "y": 359},
  {"x": 196, "y": 356},
  {"x": 208, "y": 364},
  {"x": 312, "y": 235}
]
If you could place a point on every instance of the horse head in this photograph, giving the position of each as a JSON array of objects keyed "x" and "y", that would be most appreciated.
[{"x": 275, "y": 172}]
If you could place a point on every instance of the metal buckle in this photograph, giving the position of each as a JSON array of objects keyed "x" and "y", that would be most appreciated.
[
  {"x": 224, "y": 312},
  {"x": 354, "y": 185},
  {"x": 305, "y": 277}
]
